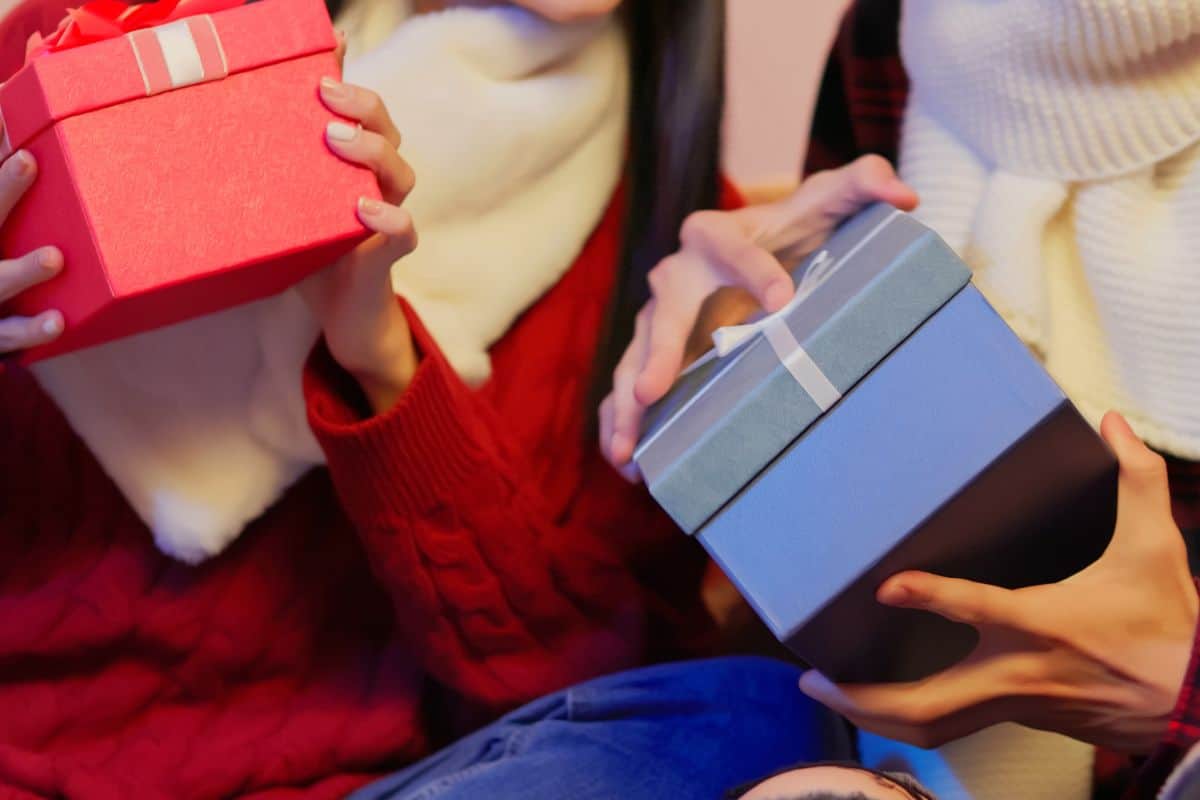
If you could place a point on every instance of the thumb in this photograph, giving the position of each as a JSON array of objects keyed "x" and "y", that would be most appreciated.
[
  {"x": 866, "y": 180},
  {"x": 1142, "y": 479}
]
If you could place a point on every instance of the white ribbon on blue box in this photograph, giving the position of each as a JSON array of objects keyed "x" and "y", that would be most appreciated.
[{"x": 878, "y": 278}]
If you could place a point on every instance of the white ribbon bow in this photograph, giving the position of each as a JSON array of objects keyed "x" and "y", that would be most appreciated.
[
  {"x": 775, "y": 329},
  {"x": 731, "y": 337}
]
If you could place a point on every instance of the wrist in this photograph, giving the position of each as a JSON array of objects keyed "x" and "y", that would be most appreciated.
[
  {"x": 386, "y": 378},
  {"x": 1173, "y": 688}
]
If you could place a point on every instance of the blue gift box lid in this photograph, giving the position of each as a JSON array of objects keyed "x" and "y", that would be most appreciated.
[{"x": 876, "y": 280}]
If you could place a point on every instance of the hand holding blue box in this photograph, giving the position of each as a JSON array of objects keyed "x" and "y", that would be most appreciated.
[{"x": 886, "y": 420}]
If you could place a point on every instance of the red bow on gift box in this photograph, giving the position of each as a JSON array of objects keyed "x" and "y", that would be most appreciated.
[{"x": 107, "y": 19}]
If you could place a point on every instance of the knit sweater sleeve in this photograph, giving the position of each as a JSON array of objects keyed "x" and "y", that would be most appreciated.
[{"x": 502, "y": 600}]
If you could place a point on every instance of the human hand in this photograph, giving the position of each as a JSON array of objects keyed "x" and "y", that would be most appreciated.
[
  {"x": 364, "y": 327},
  {"x": 21, "y": 271},
  {"x": 1100, "y": 656},
  {"x": 746, "y": 249}
]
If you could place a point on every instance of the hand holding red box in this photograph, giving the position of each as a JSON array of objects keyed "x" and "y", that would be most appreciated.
[{"x": 178, "y": 164}]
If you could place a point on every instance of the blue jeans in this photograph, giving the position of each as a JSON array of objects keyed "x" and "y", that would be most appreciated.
[{"x": 670, "y": 732}]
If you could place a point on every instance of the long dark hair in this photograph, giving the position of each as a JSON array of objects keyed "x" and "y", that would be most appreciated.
[
  {"x": 677, "y": 66},
  {"x": 677, "y": 69}
]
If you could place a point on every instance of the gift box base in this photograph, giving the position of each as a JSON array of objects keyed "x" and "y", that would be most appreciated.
[
  {"x": 210, "y": 294},
  {"x": 959, "y": 419}
]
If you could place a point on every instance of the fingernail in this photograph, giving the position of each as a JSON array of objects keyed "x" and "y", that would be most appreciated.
[
  {"x": 622, "y": 448},
  {"x": 50, "y": 259},
  {"x": 333, "y": 89},
  {"x": 341, "y": 132},
  {"x": 812, "y": 682},
  {"x": 778, "y": 294},
  {"x": 893, "y": 594},
  {"x": 369, "y": 206},
  {"x": 52, "y": 325},
  {"x": 24, "y": 163}
]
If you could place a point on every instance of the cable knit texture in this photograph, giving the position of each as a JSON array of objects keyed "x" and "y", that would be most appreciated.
[
  {"x": 463, "y": 553},
  {"x": 1055, "y": 146}
]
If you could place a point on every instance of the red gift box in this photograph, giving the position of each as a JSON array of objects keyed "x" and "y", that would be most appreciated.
[{"x": 182, "y": 167}]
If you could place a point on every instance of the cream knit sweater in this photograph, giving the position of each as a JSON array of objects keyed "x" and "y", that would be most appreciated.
[{"x": 1055, "y": 145}]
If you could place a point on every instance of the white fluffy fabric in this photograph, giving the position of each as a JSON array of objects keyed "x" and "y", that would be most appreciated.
[
  {"x": 1056, "y": 145},
  {"x": 515, "y": 128}
]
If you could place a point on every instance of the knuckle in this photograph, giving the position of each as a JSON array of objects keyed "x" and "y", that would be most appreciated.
[
  {"x": 372, "y": 104},
  {"x": 1147, "y": 471},
  {"x": 408, "y": 177},
  {"x": 1153, "y": 466},
  {"x": 655, "y": 277},
  {"x": 698, "y": 225},
  {"x": 378, "y": 150},
  {"x": 623, "y": 376},
  {"x": 819, "y": 180},
  {"x": 402, "y": 231},
  {"x": 15, "y": 334},
  {"x": 410, "y": 238},
  {"x": 660, "y": 276},
  {"x": 872, "y": 162}
]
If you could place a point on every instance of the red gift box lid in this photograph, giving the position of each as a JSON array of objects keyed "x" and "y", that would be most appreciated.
[{"x": 60, "y": 84}]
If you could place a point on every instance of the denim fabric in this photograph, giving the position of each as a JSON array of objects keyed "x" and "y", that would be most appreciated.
[{"x": 670, "y": 732}]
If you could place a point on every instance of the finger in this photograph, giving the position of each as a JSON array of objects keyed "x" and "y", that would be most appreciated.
[
  {"x": 926, "y": 713},
  {"x": 841, "y": 192},
  {"x": 363, "y": 105},
  {"x": 18, "y": 274},
  {"x": 16, "y": 175},
  {"x": 1143, "y": 473},
  {"x": 678, "y": 297},
  {"x": 627, "y": 469},
  {"x": 361, "y": 146},
  {"x": 737, "y": 258},
  {"x": 627, "y": 412},
  {"x": 339, "y": 52},
  {"x": 606, "y": 415},
  {"x": 21, "y": 333},
  {"x": 393, "y": 222},
  {"x": 631, "y": 473},
  {"x": 968, "y": 602},
  {"x": 874, "y": 179}
]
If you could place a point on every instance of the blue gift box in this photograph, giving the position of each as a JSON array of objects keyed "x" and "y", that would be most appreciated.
[{"x": 886, "y": 420}]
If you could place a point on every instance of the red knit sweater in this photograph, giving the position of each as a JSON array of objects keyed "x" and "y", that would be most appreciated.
[{"x": 462, "y": 554}]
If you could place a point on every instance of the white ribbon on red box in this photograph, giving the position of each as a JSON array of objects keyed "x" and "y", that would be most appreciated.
[{"x": 179, "y": 54}]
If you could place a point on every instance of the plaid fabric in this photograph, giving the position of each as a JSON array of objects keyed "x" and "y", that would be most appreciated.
[
  {"x": 1182, "y": 734},
  {"x": 860, "y": 109},
  {"x": 864, "y": 90},
  {"x": 1185, "y": 498}
]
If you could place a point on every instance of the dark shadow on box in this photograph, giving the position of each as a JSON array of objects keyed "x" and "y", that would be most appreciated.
[
  {"x": 1034, "y": 560},
  {"x": 973, "y": 538}
]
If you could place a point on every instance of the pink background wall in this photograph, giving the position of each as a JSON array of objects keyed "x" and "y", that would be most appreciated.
[{"x": 776, "y": 52}]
